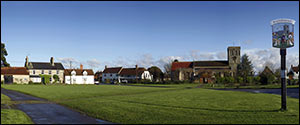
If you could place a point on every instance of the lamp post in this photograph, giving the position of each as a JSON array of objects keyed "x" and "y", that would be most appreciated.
[{"x": 283, "y": 37}]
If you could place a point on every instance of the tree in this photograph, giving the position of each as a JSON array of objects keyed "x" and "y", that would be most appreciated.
[
  {"x": 245, "y": 68},
  {"x": 56, "y": 78},
  {"x": 167, "y": 68},
  {"x": 157, "y": 73},
  {"x": 3, "y": 54}
]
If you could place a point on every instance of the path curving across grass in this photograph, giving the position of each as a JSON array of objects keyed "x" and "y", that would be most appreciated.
[
  {"x": 12, "y": 116},
  {"x": 151, "y": 105}
]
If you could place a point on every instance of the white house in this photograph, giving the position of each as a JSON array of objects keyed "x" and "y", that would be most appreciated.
[
  {"x": 119, "y": 74},
  {"x": 295, "y": 71},
  {"x": 79, "y": 76},
  {"x": 111, "y": 74}
]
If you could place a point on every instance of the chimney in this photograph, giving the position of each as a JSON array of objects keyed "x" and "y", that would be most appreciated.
[
  {"x": 105, "y": 66},
  {"x": 136, "y": 66},
  {"x": 26, "y": 62},
  {"x": 81, "y": 66},
  {"x": 52, "y": 61}
]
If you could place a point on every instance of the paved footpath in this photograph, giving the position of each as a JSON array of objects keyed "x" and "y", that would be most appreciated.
[
  {"x": 47, "y": 112},
  {"x": 291, "y": 92}
]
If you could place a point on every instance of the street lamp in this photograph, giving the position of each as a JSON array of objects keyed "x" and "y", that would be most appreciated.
[{"x": 283, "y": 37}]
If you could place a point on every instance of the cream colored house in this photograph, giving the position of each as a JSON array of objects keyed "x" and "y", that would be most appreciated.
[
  {"x": 18, "y": 75},
  {"x": 44, "y": 68}
]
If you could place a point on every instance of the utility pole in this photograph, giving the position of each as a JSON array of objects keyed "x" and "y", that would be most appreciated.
[
  {"x": 70, "y": 72},
  {"x": 283, "y": 79}
]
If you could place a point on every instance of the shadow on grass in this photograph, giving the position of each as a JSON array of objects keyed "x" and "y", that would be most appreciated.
[{"x": 219, "y": 110}]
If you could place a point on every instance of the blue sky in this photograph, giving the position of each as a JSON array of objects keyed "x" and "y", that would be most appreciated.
[{"x": 145, "y": 33}]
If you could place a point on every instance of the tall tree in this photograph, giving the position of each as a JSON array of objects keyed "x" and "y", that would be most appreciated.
[
  {"x": 3, "y": 54},
  {"x": 245, "y": 68},
  {"x": 157, "y": 73}
]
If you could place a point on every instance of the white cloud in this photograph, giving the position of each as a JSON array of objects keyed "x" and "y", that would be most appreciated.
[
  {"x": 66, "y": 62},
  {"x": 262, "y": 57},
  {"x": 93, "y": 63},
  {"x": 259, "y": 58}
]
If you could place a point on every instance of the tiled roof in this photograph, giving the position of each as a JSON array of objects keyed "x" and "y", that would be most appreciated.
[
  {"x": 132, "y": 71},
  {"x": 177, "y": 65},
  {"x": 267, "y": 70},
  {"x": 79, "y": 71},
  {"x": 45, "y": 65},
  {"x": 14, "y": 71},
  {"x": 112, "y": 70},
  {"x": 211, "y": 63}
]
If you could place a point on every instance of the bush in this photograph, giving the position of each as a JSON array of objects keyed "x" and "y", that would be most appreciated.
[
  {"x": 249, "y": 80},
  {"x": 229, "y": 80},
  {"x": 2, "y": 82},
  {"x": 30, "y": 82},
  {"x": 145, "y": 81},
  {"x": 240, "y": 80},
  {"x": 256, "y": 80},
  {"x": 56, "y": 78},
  {"x": 46, "y": 78},
  {"x": 220, "y": 80}
]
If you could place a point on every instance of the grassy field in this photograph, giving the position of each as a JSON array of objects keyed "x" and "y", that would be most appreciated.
[
  {"x": 12, "y": 116},
  {"x": 271, "y": 86},
  {"x": 178, "y": 104}
]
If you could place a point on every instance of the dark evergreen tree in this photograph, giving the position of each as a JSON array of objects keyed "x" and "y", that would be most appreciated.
[
  {"x": 245, "y": 68},
  {"x": 3, "y": 54}
]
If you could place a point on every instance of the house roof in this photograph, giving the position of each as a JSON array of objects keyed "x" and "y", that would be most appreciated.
[
  {"x": 132, "y": 71},
  {"x": 211, "y": 63},
  {"x": 112, "y": 70},
  {"x": 177, "y": 65},
  {"x": 14, "y": 71},
  {"x": 79, "y": 71},
  {"x": 295, "y": 69},
  {"x": 45, "y": 65},
  {"x": 267, "y": 70}
]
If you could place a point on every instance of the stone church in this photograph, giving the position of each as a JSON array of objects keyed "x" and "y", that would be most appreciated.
[{"x": 207, "y": 71}]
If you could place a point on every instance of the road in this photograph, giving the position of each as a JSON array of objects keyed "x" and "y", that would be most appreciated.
[
  {"x": 291, "y": 92},
  {"x": 47, "y": 112}
]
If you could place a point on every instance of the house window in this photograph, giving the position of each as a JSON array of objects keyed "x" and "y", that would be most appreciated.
[
  {"x": 57, "y": 71},
  {"x": 110, "y": 75},
  {"x": 33, "y": 71},
  {"x": 104, "y": 75},
  {"x": 50, "y": 79},
  {"x": 42, "y": 71},
  {"x": 50, "y": 72}
]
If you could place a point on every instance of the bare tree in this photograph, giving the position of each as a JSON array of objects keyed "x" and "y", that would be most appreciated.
[{"x": 167, "y": 67}]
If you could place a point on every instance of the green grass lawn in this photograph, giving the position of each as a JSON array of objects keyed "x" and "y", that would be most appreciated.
[
  {"x": 271, "y": 86},
  {"x": 178, "y": 104},
  {"x": 12, "y": 116}
]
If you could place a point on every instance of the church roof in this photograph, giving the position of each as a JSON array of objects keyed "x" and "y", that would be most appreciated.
[
  {"x": 178, "y": 65},
  {"x": 211, "y": 63}
]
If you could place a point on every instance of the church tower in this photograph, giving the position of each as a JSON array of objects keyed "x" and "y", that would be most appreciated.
[{"x": 233, "y": 56}]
